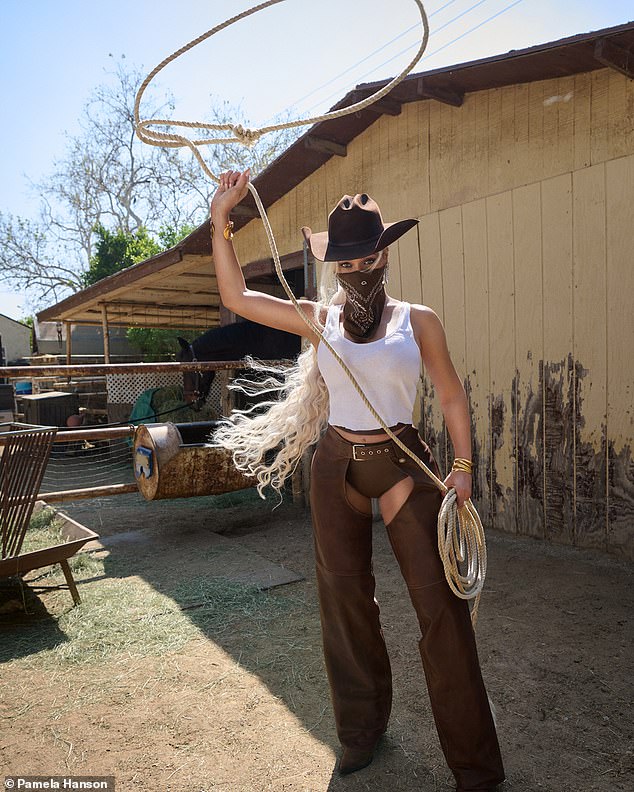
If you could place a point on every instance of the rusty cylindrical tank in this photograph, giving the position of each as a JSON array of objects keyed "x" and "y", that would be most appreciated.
[{"x": 166, "y": 467}]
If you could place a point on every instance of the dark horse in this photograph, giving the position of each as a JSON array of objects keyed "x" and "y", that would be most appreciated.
[{"x": 232, "y": 342}]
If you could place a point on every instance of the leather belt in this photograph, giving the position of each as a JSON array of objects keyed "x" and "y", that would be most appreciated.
[{"x": 362, "y": 452}]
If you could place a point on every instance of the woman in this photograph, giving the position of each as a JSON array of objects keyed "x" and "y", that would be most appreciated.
[{"x": 383, "y": 341}]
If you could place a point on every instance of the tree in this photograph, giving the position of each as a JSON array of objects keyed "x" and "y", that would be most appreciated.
[
  {"x": 155, "y": 343},
  {"x": 117, "y": 250},
  {"x": 109, "y": 180}
]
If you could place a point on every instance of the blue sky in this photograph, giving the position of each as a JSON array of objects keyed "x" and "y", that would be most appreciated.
[{"x": 300, "y": 53}]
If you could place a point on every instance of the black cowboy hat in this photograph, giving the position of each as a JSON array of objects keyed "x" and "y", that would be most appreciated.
[{"x": 355, "y": 229}]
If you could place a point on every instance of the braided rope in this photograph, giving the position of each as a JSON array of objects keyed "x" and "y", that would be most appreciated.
[
  {"x": 247, "y": 137},
  {"x": 460, "y": 533}
]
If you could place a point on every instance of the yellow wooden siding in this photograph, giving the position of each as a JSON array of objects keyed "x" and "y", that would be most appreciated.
[
  {"x": 554, "y": 277},
  {"x": 524, "y": 196},
  {"x": 620, "y": 341},
  {"x": 558, "y": 418},
  {"x": 501, "y": 307},
  {"x": 529, "y": 358},
  {"x": 430, "y": 262},
  {"x": 477, "y": 372},
  {"x": 590, "y": 374}
]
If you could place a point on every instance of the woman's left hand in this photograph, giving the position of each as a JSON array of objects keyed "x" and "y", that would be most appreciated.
[
  {"x": 461, "y": 482},
  {"x": 232, "y": 188}
]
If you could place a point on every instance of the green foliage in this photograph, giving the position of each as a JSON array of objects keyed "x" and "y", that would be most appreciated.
[
  {"x": 169, "y": 236},
  {"x": 118, "y": 250},
  {"x": 155, "y": 344}
]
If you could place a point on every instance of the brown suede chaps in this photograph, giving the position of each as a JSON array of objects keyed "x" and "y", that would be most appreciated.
[{"x": 356, "y": 658}]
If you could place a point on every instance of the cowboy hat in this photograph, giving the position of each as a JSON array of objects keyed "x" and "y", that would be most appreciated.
[{"x": 355, "y": 229}]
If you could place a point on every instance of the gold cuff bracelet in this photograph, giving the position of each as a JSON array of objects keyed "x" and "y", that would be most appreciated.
[
  {"x": 227, "y": 231},
  {"x": 463, "y": 465}
]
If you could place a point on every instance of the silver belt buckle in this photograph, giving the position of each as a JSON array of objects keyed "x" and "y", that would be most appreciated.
[
  {"x": 358, "y": 447},
  {"x": 367, "y": 450}
]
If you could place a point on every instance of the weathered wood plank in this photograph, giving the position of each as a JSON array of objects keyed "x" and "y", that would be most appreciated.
[
  {"x": 333, "y": 175},
  {"x": 582, "y": 120},
  {"x": 453, "y": 293},
  {"x": 528, "y": 391},
  {"x": 417, "y": 120},
  {"x": 437, "y": 167},
  {"x": 523, "y": 165},
  {"x": 565, "y": 124},
  {"x": 400, "y": 172},
  {"x": 494, "y": 173},
  {"x": 600, "y": 122},
  {"x": 432, "y": 289},
  {"x": 550, "y": 129},
  {"x": 558, "y": 361},
  {"x": 477, "y": 368},
  {"x": 506, "y": 152},
  {"x": 395, "y": 286},
  {"x": 621, "y": 115},
  {"x": 468, "y": 186},
  {"x": 536, "y": 129},
  {"x": 620, "y": 332},
  {"x": 410, "y": 267},
  {"x": 590, "y": 325},
  {"x": 482, "y": 154},
  {"x": 450, "y": 221},
  {"x": 502, "y": 357}
]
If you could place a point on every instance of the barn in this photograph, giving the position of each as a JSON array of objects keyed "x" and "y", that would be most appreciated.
[{"x": 520, "y": 170}]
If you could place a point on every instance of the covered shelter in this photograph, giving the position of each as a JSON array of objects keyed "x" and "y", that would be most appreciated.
[{"x": 520, "y": 170}]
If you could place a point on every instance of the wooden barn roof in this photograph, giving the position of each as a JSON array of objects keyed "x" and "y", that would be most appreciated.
[{"x": 178, "y": 288}]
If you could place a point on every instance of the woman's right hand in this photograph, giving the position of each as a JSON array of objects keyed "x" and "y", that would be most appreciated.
[{"x": 231, "y": 190}]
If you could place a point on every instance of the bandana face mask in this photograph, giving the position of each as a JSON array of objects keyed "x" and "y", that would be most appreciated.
[{"x": 365, "y": 299}]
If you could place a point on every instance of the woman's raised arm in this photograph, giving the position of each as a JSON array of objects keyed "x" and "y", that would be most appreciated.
[{"x": 235, "y": 295}]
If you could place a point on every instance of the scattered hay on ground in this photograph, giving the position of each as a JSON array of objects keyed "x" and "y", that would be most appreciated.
[
  {"x": 131, "y": 617},
  {"x": 45, "y": 530}
]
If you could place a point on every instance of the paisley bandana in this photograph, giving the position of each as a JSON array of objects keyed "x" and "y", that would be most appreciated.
[{"x": 365, "y": 299}]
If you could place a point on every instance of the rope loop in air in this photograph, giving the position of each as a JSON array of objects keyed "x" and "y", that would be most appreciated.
[{"x": 147, "y": 132}]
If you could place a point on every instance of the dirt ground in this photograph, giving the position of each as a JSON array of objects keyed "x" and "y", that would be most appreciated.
[{"x": 245, "y": 708}]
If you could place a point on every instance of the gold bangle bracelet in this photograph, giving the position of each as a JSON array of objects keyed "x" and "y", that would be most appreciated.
[
  {"x": 463, "y": 465},
  {"x": 227, "y": 231}
]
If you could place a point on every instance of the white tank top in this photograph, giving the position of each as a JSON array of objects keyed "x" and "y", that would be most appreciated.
[{"x": 388, "y": 371}]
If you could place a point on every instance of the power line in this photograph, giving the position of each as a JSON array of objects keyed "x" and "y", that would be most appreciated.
[
  {"x": 407, "y": 49},
  {"x": 371, "y": 55},
  {"x": 466, "y": 33},
  {"x": 429, "y": 55}
]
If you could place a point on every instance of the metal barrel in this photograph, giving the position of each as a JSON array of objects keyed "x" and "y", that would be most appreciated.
[{"x": 165, "y": 467}]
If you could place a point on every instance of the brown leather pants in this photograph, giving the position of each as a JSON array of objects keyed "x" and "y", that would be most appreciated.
[{"x": 356, "y": 658}]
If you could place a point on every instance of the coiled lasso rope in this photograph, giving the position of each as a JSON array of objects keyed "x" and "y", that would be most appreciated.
[{"x": 461, "y": 538}]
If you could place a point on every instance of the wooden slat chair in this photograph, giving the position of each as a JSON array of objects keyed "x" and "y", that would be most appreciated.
[{"x": 24, "y": 454}]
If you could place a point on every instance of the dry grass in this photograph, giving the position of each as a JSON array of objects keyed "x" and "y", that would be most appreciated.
[
  {"x": 129, "y": 617},
  {"x": 45, "y": 530}
]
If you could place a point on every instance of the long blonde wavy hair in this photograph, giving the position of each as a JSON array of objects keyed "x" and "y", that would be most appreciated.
[{"x": 268, "y": 440}]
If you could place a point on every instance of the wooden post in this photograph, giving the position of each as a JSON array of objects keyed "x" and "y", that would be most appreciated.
[
  {"x": 227, "y": 317},
  {"x": 106, "y": 335},
  {"x": 69, "y": 342},
  {"x": 310, "y": 278}
]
